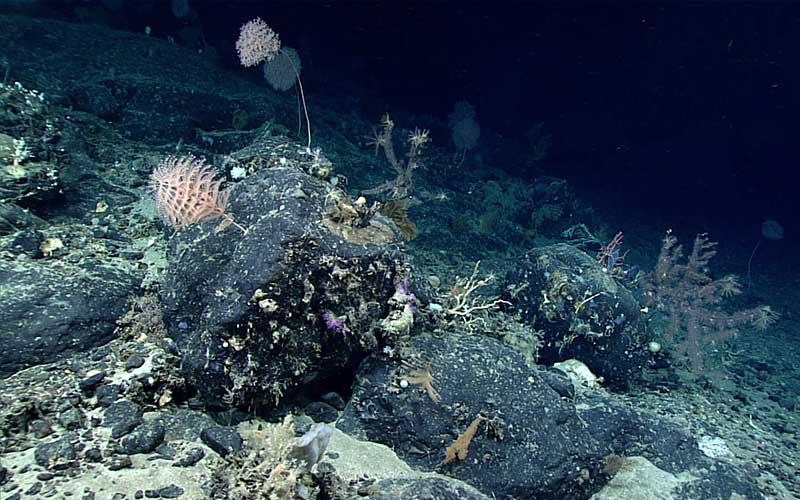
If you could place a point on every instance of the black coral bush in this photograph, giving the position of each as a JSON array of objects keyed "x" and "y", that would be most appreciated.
[{"x": 689, "y": 300}]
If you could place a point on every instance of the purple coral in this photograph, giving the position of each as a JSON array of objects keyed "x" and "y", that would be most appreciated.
[
  {"x": 405, "y": 294},
  {"x": 334, "y": 323}
]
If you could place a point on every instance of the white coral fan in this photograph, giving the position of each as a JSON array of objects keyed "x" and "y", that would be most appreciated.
[{"x": 257, "y": 42}]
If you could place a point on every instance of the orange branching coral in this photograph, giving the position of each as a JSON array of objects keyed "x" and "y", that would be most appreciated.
[{"x": 460, "y": 446}]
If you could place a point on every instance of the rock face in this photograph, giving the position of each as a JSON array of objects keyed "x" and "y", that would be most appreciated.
[
  {"x": 531, "y": 442},
  {"x": 292, "y": 301},
  {"x": 151, "y": 98},
  {"x": 583, "y": 312}
]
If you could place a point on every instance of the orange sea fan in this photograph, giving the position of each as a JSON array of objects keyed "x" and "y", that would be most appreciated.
[{"x": 185, "y": 192}]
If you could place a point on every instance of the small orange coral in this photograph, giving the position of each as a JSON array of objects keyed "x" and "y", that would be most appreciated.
[{"x": 421, "y": 375}]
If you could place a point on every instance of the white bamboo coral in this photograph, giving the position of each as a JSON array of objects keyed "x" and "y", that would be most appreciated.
[{"x": 465, "y": 303}]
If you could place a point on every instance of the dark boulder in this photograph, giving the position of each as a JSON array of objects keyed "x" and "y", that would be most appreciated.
[
  {"x": 529, "y": 442},
  {"x": 52, "y": 309},
  {"x": 582, "y": 311},
  {"x": 296, "y": 299}
]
